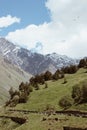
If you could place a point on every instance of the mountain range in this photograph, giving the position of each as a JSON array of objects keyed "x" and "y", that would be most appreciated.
[{"x": 33, "y": 63}]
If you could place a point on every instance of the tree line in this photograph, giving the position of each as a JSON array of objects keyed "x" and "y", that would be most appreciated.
[{"x": 24, "y": 89}]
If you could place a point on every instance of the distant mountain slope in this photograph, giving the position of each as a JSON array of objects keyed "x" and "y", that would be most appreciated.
[
  {"x": 10, "y": 76},
  {"x": 33, "y": 63}
]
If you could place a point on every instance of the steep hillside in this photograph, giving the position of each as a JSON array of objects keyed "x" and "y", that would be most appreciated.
[
  {"x": 56, "y": 89},
  {"x": 47, "y": 99},
  {"x": 30, "y": 62},
  {"x": 10, "y": 76}
]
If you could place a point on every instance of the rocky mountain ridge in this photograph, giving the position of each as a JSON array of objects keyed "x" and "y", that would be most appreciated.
[
  {"x": 10, "y": 76},
  {"x": 30, "y": 62}
]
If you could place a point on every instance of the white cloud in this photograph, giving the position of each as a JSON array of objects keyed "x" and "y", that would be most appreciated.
[
  {"x": 64, "y": 34},
  {"x": 8, "y": 20}
]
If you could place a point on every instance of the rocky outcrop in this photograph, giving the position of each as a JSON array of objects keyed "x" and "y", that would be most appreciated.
[{"x": 33, "y": 63}]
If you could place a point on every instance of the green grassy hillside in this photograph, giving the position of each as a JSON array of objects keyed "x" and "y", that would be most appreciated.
[
  {"x": 40, "y": 99},
  {"x": 10, "y": 76}
]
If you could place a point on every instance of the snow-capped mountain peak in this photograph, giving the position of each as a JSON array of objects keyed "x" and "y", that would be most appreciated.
[{"x": 33, "y": 63}]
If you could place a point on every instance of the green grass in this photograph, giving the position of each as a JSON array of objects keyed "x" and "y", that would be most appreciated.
[
  {"x": 39, "y": 99},
  {"x": 36, "y": 123}
]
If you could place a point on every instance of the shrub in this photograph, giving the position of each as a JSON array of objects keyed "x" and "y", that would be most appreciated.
[
  {"x": 15, "y": 100},
  {"x": 21, "y": 86},
  {"x": 62, "y": 75},
  {"x": 30, "y": 88},
  {"x": 65, "y": 80},
  {"x": 32, "y": 81},
  {"x": 25, "y": 87},
  {"x": 70, "y": 69},
  {"x": 39, "y": 79},
  {"x": 7, "y": 103},
  {"x": 23, "y": 97},
  {"x": 47, "y": 76},
  {"x": 56, "y": 75},
  {"x": 20, "y": 96},
  {"x": 46, "y": 85},
  {"x": 82, "y": 63},
  {"x": 65, "y": 102},
  {"x": 76, "y": 94},
  {"x": 79, "y": 93},
  {"x": 49, "y": 108},
  {"x": 36, "y": 86},
  {"x": 84, "y": 92},
  {"x": 11, "y": 92}
]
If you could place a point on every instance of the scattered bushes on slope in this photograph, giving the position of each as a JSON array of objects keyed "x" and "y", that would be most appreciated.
[
  {"x": 20, "y": 96},
  {"x": 78, "y": 96}
]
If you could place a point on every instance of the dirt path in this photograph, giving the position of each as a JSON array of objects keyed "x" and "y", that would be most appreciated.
[{"x": 69, "y": 113}]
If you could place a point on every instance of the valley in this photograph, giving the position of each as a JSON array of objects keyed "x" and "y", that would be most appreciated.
[
  {"x": 34, "y": 104},
  {"x": 43, "y": 65}
]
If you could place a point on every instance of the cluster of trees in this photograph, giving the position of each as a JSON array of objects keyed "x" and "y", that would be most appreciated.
[
  {"x": 59, "y": 74},
  {"x": 74, "y": 68},
  {"x": 83, "y": 63},
  {"x": 42, "y": 78},
  {"x": 78, "y": 96},
  {"x": 19, "y": 96},
  {"x": 70, "y": 69}
]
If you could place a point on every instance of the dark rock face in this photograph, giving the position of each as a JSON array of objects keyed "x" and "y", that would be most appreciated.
[{"x": 33, "y": 63}]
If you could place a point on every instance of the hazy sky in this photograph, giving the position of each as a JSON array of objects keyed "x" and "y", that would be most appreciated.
[{"x": 46, "y": 26}]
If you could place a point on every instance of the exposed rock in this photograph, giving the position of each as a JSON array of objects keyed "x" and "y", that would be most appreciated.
[{"x": 33, "y": 63}]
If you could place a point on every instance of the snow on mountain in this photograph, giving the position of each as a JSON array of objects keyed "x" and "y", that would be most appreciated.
[
  {"x": 10, "y": 51},
  {"x": 33, "y": 63},
  {"x": 61, "y": 60}
]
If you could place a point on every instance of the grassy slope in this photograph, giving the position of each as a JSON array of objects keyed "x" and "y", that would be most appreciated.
[
  {"x": 38, "y": 101},
  {"x": 10, "y": 76}
]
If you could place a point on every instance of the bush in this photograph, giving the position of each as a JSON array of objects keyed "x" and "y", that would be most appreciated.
[
  {"x": 25, "y": 87},
  {"x": 36, "y": 86},
  {"x": 49, "y": 108},
  {"x": 23, "y": 97},
  {"x": 47, "y": 76},
  {"x": 30, "y": 88},
  {"x": 79, "y": 93},
  {"x": 37, "y": 79},
  {"x": 82, "y": 63},
  {"x": 65, "y": 102},
  {"x": 32, "y": 81},
  {"x": 15, "y": 100},
  {"x": 70, "y": 69},
  {"x": 11, "y": 92},
  {"x": 56, "y": 75},
  {"x": 20, "y": 96},
  {"x": 65, "y": 80},
  {"x": 84, "y": 92},
  {"x": 76, "y": 94},
  {"x": 46, "y": 85}
]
